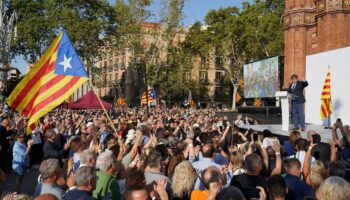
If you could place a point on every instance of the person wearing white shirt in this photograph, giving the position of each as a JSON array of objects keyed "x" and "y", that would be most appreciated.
[{"x": 301, "y": 147}]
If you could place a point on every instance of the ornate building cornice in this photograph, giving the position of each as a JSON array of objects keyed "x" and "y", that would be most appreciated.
[
  {"x": 324, "y": 7},
  {"x": 302, "y": 17}
]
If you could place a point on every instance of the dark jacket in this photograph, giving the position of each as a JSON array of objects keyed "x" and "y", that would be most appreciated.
[
  {"x": 4, "y": 143},
  {"x": 52, "y": 150},
  {"x": 78, "y": 194},
  {"x": 297, "y": 189},
  {"x": 298, "y": 91}
]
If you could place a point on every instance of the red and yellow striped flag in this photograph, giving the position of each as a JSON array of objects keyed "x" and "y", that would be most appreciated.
[
  {"x": 51, "y": 81},
  {"x": 326, "y": 97}
]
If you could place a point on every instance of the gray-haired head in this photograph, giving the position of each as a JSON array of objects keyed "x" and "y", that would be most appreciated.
[
  {"x": 105, "y": 161},
  {"x": 84, "y": 175},
  {"x": 49, "y": 167},
  {"x": 87, "y": 157},
  {"x": 334, "y": 187}
]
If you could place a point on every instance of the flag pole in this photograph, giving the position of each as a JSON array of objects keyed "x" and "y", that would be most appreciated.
[
  {"x": 328, "y": 119},
  {"x": 105, "y": 111}
]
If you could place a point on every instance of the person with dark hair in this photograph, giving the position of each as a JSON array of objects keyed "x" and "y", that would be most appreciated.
[
  {"x": 297, "y": 189},
  {"x": 277, "y": 187},
  {"x": 135, "y": 178},
  {"x": 296, "y": 89},
  {"x": 250, "y": 179},
  {"x": 136, "y": 193},
  {"x": 289, "y": 144},
  {"x": 336, "y": 168},
  {"x": 230, "y": 193},
  {"x": 173, "y": 162},
  {"x": 153, "y": 171},
  {"x": 4, "y": 146},
  {"x": 20, "y": 162},
  {"x": 301, "y": 145},
  {"x": 51, "y": 149}
]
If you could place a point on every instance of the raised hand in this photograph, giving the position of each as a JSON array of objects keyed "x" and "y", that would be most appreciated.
[
  {"x": 160, "y": 188},
  {"x": 262, "y": 194}
]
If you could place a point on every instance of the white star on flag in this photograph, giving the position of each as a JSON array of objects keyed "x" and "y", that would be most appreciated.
[{"x": 66, "y": 63}]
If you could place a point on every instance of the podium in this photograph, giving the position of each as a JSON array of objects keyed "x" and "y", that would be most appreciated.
[{"x": 284, "y": 99}]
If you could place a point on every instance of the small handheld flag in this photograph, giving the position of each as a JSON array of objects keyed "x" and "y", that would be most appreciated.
[
  {"x": 52, "y": 80},
  {"x": 326, "y": 97}
]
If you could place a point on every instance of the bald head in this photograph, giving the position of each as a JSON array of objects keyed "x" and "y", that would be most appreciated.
[
  {"x": 211, "y": 174},
  {"x": 208, "y": 151},
  {"x": 46, "y": 197}
]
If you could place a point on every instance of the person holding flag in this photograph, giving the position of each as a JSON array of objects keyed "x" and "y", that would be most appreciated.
[{"x": 51, "y": 81}]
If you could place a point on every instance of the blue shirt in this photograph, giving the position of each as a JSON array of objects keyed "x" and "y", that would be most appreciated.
[
  {"x": 218, "y": 158},
  {"x": 200, "y": 166},
  {"x": 103, "y": 136},
  {"x": 289, "y": 148},
  {"x": 19, "y": 155},
  {"x": 297, "y": 189},
  {"x": 78, "y": 194}
]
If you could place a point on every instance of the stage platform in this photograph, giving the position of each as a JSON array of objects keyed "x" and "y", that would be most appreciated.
[{"x": 326, "y": 134}]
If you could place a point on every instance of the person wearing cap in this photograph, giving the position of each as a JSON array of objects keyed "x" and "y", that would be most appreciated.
[
  {"x": 20, "y": 162},
  {"x": 51, "y": 149}
]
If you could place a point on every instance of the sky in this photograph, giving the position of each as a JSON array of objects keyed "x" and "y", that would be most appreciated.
[{"x": 194, "y": 10}]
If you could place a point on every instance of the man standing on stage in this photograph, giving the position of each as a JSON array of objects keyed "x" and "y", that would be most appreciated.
[{"x": 296, "y": 89}]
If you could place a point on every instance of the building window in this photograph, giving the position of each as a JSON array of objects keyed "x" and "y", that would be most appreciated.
[
  {"x": 218, "y": 62},
  {"x": 187, "y": 76},
  {"x": 203, "y": 76},
  {"x": 203, "y": 62},
  {"x": 105, "y": 65},
  {"x": 218, "y": 77}
]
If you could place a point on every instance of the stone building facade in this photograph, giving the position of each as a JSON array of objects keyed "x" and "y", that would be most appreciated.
[{"x": 114, "y": 73}]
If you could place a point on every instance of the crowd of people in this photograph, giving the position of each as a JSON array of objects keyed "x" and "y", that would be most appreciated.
[{"x": 169, "y": 154}]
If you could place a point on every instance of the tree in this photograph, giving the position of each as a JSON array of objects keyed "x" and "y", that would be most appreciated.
[
  {"x": 157, "y": 48},
  {"x": 85, "y": 21},
  {"x": 238, "y": 36}
]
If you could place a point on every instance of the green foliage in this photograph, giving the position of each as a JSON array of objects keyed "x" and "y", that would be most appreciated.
[
  {"x": 239, "y": 36},
  {"x": 85, "y": 21}
]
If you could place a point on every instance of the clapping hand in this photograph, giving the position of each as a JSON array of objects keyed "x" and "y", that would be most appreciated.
[
  {"x": 262, "y": 194},
  {"x": 160, "y": 187},
  {"x": 8, "y": 196}
]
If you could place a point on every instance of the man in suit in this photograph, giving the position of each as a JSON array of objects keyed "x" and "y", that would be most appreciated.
[
  {"x": 52, "y": 150},
  {"x": 296, "y": 89}
]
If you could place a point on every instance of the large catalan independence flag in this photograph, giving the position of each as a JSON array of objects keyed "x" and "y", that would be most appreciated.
[
  {"x": 326, "y": 97},
  {"x": 151, "y": 96},
  {"x": 51, "y": 81}
]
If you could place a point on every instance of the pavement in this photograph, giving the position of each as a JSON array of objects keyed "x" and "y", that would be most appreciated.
[{"x": 30, "y": 180}]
